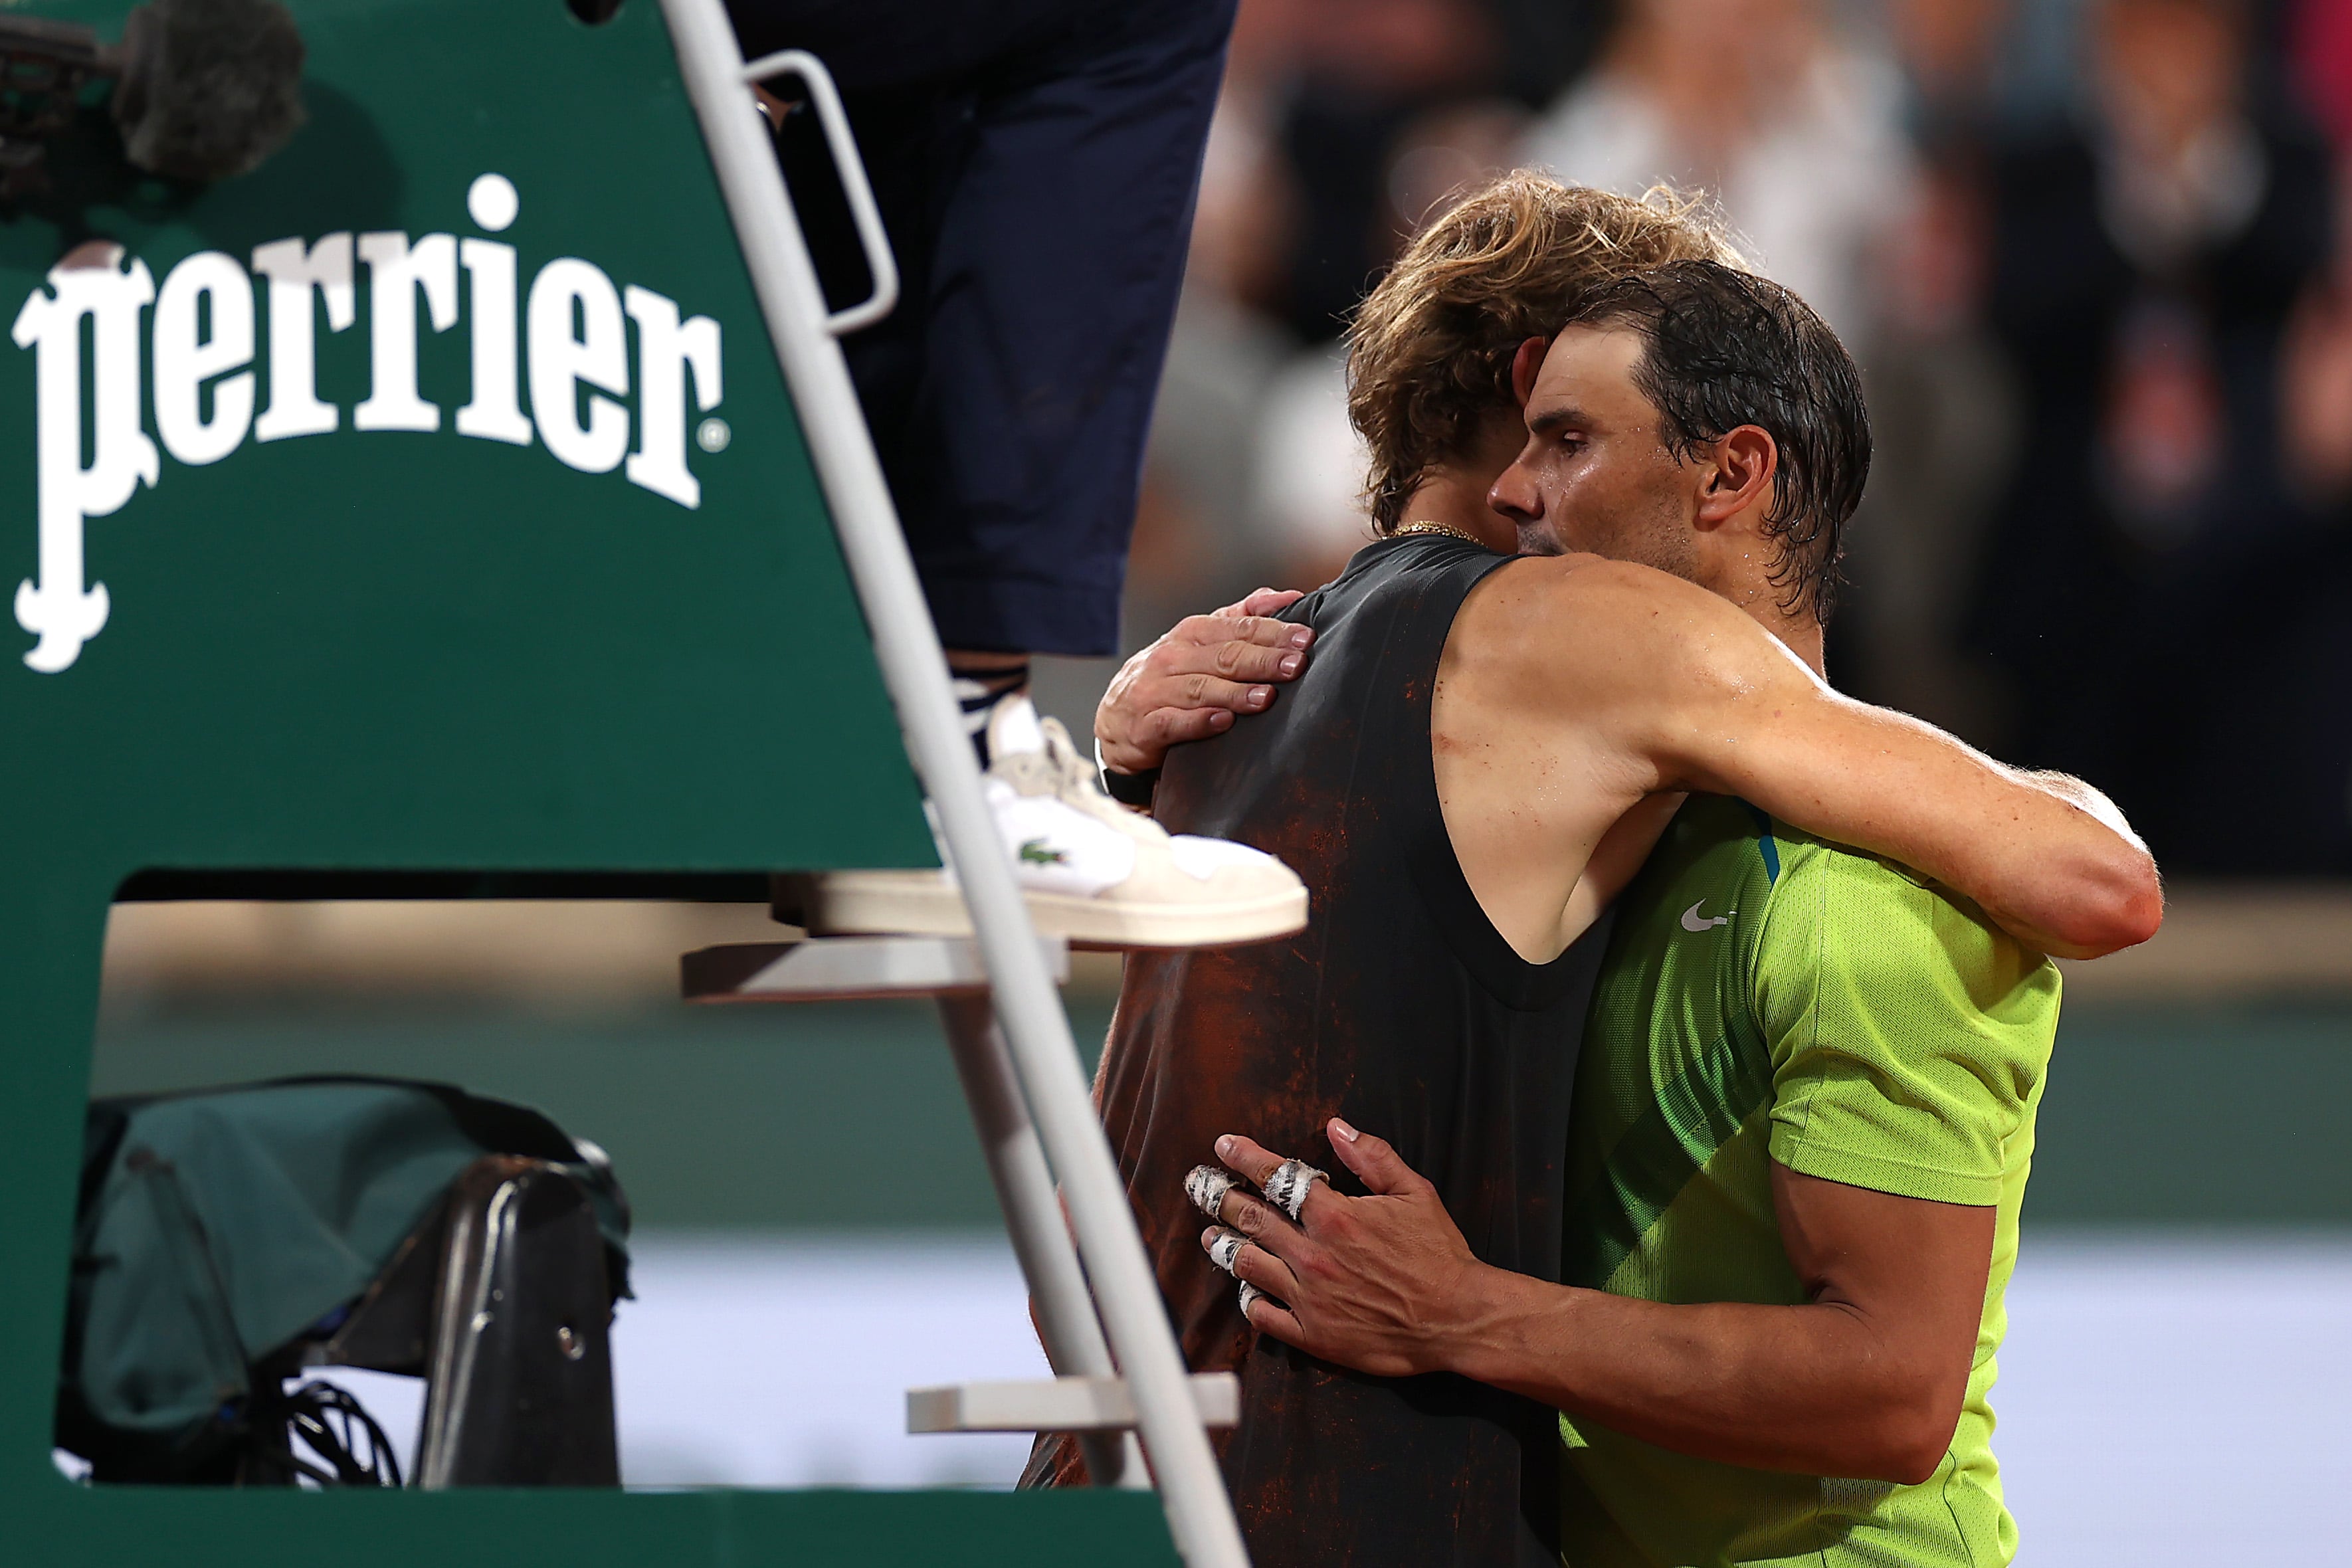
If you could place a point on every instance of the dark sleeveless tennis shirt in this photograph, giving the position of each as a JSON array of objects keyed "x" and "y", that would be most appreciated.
[{"x": 1399, "y": 1008}]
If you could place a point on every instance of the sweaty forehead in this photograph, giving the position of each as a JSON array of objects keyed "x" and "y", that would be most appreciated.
[{"x": 1590, "y": 369}]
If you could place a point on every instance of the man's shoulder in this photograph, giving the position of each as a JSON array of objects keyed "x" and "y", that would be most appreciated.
[
  {"x": 1843, "y": 885},
  {"x": 1840, "y": 906},
  {"x": 1572, "y": 591},
  {"x": 1720, "y": 844},
  {"x": 1415, "y": 576},
  {"x": 1835, "y": 887},
  {"x": 1642, "y": 644},
  {"x": 1811, "y": 858}
]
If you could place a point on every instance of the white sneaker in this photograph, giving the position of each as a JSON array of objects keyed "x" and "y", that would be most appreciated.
[{"x": 1093, "y": 871}]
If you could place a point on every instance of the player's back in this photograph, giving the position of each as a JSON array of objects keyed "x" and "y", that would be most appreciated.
[{"x": 1400, "y": 1008}]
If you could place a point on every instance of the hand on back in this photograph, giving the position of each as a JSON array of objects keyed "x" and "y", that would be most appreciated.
[{"x": 1190, "y": 683}]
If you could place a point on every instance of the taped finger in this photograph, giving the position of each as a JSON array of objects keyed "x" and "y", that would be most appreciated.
[
  {"x": 1207, "y": 1185},
  {"x": 1250, "y": 1293},
  {"x": 1225, "y": 1248},
  {"x": 1287, "y": 1188}
]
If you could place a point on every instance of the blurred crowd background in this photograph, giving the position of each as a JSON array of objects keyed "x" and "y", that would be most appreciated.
[{"x": 2088, "y": 253}]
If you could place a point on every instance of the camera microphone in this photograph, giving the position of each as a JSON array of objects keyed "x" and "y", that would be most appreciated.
[{"x": 204, "y": 90}]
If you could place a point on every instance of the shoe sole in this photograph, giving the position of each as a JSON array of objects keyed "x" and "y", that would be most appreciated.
[{"x": 921, "y": 903}]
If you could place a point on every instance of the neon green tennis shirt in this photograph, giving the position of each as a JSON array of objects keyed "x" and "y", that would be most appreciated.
[{"x": 1769, "y": 997}]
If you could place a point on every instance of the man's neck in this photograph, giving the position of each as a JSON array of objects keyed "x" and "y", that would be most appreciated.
[
  {"x": 1730, "y": 570},
  {"x": 1452, "y": 497}
]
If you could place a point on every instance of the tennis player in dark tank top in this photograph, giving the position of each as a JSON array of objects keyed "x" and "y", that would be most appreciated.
[{"x": 1399, "y": 1007}]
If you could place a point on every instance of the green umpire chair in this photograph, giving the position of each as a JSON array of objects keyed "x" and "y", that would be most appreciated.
[{"x": 472, "y": 499}]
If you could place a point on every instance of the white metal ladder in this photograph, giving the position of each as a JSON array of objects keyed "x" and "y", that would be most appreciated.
[{"x": 1027, "y": 1090}]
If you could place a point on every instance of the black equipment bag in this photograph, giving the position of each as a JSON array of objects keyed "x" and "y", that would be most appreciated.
[{"x": 227, "y": 1238}]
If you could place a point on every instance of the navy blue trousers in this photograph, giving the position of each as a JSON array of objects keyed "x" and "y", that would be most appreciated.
[{"x": 1036, "y": 161}]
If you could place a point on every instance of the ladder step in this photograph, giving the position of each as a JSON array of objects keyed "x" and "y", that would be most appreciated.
[
  {"x": 1057, "y": 1404},
  {"x": 847, "y": 968}
]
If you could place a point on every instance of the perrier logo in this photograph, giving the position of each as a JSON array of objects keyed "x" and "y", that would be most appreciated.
[
  {"x": 562, "y": 344},
  {"x": 1037, "y": 852}
]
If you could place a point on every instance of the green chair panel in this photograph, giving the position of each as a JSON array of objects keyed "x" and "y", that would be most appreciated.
[{"x": 377, "y": 517}]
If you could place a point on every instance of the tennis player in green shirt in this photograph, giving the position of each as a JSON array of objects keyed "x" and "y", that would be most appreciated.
[
  {"x": 1773, "y": 1004},
  {"x": 1803, "y": 1120}
]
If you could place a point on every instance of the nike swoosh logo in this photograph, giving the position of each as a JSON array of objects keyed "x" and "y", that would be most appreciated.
[{"x": 1691, "y": 920}]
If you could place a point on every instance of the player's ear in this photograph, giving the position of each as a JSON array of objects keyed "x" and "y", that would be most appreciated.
[
  {"x": 1736, "y": 474},
  {"x": 1525, "y": 364}
]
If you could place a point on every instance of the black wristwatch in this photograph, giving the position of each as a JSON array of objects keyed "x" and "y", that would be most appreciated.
[{"x": 1131, "y": 789}]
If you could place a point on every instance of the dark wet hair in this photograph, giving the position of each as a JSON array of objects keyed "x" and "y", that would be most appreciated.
[{"x": 1725, "y": 348}]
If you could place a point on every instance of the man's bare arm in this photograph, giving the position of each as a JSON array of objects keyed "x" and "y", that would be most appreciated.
[
  {"x": 1678, "y": 676},
  {"x": 2050, "y": 860},
  {"x": 1864, "y": 1379},
  {"x": 1705, "y": 698}
]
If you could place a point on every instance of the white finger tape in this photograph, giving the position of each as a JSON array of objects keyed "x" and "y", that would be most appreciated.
[
  {"x": 1227, "y": 1249},
  {"x": 1287, "y": 1188},
  {"x": 1207, "y": 1185},
  {"x": 1252, "y": 1293}
]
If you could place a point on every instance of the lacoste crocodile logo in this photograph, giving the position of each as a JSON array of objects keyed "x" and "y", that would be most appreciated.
[{"x": 1037, "y": 852}]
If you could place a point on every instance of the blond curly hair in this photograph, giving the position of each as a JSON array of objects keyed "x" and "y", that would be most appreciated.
[{"x": 1430, "y": 348}]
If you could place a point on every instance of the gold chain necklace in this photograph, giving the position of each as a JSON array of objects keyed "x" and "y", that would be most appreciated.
[{"x": 1448, "y": 529}]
